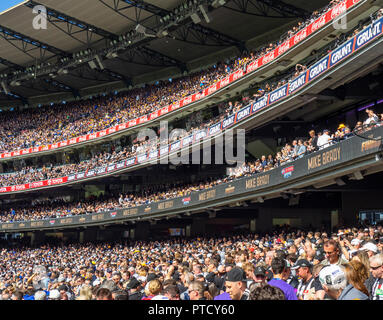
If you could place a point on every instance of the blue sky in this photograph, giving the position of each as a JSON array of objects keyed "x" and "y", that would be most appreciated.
[{"x": 6, "y": 4}]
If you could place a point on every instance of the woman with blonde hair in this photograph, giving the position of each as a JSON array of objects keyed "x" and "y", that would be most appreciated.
[
  {"x": 153, "y": 288},
  {"x": 362, "y": 256},
  {"x": 85, "y": 293}
]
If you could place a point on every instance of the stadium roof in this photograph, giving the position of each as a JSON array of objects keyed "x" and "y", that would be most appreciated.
[{"x": 92, "y": 24}]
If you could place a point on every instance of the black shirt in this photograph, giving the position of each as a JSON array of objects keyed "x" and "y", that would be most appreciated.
[{"x": 304, "y": 287}]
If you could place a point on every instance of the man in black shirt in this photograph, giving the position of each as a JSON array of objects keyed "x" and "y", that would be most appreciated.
[
  {"x": 309, "y": 288},
  {"x": 236, "y": 284},
  {"x": 134, "y": 289}
]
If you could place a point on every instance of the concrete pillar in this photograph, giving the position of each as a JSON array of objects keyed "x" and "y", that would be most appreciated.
[
  {"x": 198, "y": 227},
  {"x": 252, "y": 225},
  {"x": 81, "y": 237},
  {"x": 37, "y": 237},
  {"x": 142, "y": 231}
]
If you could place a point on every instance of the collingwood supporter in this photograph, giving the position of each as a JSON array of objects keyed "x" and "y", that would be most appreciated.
[
  {"x": 236, "y": 284},
  {"x": 309, "y": 287}
]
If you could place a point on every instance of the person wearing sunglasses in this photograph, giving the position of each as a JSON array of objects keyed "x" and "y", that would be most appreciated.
[{"x": 376, "y": 268}]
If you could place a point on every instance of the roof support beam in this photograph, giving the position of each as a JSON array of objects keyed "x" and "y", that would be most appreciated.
[
  {"x": 14, "y": 36},
  {"x": 56, "y": 18},
  {"x": 267, "y": 8}
]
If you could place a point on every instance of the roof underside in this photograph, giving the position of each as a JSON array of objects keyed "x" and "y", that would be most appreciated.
[{"x": 78, "y": 25}]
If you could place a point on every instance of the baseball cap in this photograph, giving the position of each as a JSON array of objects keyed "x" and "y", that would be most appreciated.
[
  {"x": 133, "y": 284},
  {"x": 355, "y": 242},
  {"x": 369, "y": 246},
  {"x": 236, "y": 274},
  {"x": 151, "y": 276},
  {"x": 260, "y": 271},
  {"x": 332, "y": 275},
  {"x": 302, "y": 263}
]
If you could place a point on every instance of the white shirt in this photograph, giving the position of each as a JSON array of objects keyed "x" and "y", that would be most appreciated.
[{"x": 323, "y": 141}]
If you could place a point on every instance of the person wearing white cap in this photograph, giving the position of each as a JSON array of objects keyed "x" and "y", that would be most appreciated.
[
  {"x": 371, "y": 249},
  {"x": 334, "y": 283}
]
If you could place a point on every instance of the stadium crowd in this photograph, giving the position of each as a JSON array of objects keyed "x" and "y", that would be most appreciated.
[
  {"x": 297, "y": 149},
  {"x": 287, "y": 264},
  {"x": 58, "y": 122}
]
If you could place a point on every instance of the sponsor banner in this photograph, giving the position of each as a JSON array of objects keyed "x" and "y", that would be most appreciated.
[
  {"x": 80, "y": 175},
  {"x": 112, "y": 130},
  {"x": 102, "y": 133},
  {"x": 130, "y": 162},
  {"x": 278, "y": 94},
  {"x": 111, "y": 167},
  {"x": 297, "y": 83},
  {"x": 52, "y": 182},
  {"x": 73, "y": 140},
  {"x": 120, "y": 165},
  {"x": 318, "y": 68},
  {"x": 153, "y": 154},
  {"x": 72, "y": 177},
  {"x": 187, "y": 141},
  {"x": 37, "y": 184},
  {"x": 368, "y": 34},
  {"x": 259, "y": 104},
  {"x": 252, "y": 66},
  {"x": 287, "y": 172},
  {"x": 186, "y": 200},
  {"x": 101, "y": 170},
  {"x": 269, "y": 56},
  {"x": 143, "y": 119},
  {"x": 164, "y": 110},
  {"x": 91, "y": 173},
  {"x": 228, "y": 122},
  {"x": 141, "y": 157},
  {"x": 175, "y": 146},
  {"x": 154, "y": 115},
  {"x": 243, "y": 113},
  {"x": 283, "y": 47},
  {"x": 215, "y": 128},
  {"x": 164, "y": 150},
  {"x": 200, "y": 135},
  {"x": 342, "y": 52}
]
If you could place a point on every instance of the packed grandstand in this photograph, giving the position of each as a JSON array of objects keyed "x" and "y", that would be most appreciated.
[{"x": 89, "y": 209}]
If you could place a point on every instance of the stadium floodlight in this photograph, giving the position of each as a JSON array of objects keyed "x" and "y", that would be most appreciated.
[
  {"x": 218, "y": 3},
  {"x": 195, "y": 17},
  {"x": 15, "y": 83},
  {"x": 111, "y": 55},
  {"x": 5, "y": 87},
  {"x": 62, "y": 71},
  {"x": 205, "y": 14}
]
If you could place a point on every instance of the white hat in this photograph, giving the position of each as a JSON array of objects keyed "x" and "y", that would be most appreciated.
[
  {"x": 355, "y": 242},
  {"x": 40, "y": 295},
  {"x": 332, "y": 275},
  {"x": 54, "y": 294},
  {"x": 369, "y": 246}
]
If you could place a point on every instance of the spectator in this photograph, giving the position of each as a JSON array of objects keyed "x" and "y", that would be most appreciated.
[
  {"x": 376, "y": 267},
  {"x": 267, "y": 292},
  {"x": 278, "y": 267},
  {"x": 309, "y": 287},
  {"x": 236, "y": 284},
  {"x": 332, "y": 253},
  {"x": 334, "y": 282}
]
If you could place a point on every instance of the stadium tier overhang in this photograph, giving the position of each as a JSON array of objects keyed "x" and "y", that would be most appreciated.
[{"x": 220, "y": 28}]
